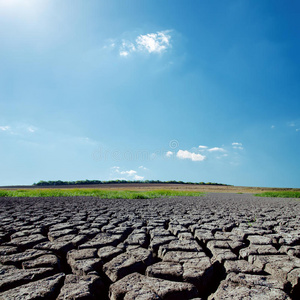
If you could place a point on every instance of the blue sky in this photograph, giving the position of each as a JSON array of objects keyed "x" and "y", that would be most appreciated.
[{"x": 169, "y": 90}]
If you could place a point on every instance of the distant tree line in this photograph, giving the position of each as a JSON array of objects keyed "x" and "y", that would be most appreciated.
[{"x": 88, "y": 182}]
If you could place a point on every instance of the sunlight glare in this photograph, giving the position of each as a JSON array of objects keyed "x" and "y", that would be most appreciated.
[{"x": 29, "y": 8}]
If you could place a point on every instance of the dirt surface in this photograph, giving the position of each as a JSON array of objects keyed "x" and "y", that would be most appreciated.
[
  {"x": 219, "y": 246},
  {"x": 160, "y": 186}
]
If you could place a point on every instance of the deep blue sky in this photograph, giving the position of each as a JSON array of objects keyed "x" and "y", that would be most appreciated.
[{"x": 131, "y": 89}]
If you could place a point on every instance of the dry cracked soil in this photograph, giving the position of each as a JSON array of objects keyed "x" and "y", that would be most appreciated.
[{"x": 219, "y": 246}]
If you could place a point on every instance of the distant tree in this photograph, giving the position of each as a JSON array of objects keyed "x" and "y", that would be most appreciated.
[{"x": 117, "y": 181}]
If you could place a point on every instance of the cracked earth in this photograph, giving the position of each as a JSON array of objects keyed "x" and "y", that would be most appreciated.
[{"x": 219, "y": 246}]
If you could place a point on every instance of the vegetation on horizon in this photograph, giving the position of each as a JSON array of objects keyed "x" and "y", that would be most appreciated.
[
  {"x": 281, "y": 194},
  {"x": 104, "y": 194},
  {"x": 87, "y": 182}
]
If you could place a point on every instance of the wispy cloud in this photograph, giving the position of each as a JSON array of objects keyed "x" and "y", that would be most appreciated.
[
  {"x": 216, "y": 149},
  {"x": 157, "y": 42},
  {"x": 137, "y": 177},
  {"x": 31, "y": 129},
  {"x": 126, "y": 48},
  {"x": 288, "y": 125},
  {"x": 238, "y": 146},
  {"x": 5, "y": 128},
  {"x": 294, "y": 124},
  {"x": 111, "y": 44},
  {"x": 185, "y": 154},
  {"x": 19, "y": 129},
  {"x": 143, "y": 168},
  {"x": 202, "y": 147},
  {"x": 42, "y": 138}
]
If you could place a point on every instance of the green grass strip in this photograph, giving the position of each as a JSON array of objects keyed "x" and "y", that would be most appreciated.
[
  {"x": 282, "y": 194},
  {"x": 104, "y": 194}
]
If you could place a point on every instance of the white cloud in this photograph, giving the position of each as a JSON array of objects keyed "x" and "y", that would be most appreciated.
[
  {"x": 185, "y": 154},
  {"x": 130, "y": 174},
  {"x": 124, "y": 53},
  {"x": 214, "y": 149},
  {"x": 202, "y": 152},
  {"x": 169, "y": 154},
  {"x": 151, "y": 42},
  {"x": 154, "y": 42},
  {"x": 5, "y": 128},
  {"x": 273, "y": 126}
]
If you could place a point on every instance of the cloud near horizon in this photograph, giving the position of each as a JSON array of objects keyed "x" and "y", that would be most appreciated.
[
  {"x": 129, "y": 175},
  {"x": 202, "y": 152},
  {"x": 185, "y": 154}
]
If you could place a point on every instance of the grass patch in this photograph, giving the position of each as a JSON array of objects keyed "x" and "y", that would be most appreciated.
[
  {"x": 281, "y": 194},
  {"x": 105, "y": 194}
]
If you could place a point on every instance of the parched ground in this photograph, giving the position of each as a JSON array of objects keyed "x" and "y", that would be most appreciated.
[
  {"x": 219, "y": 246},
  {"x": 141, "y": 186}
]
